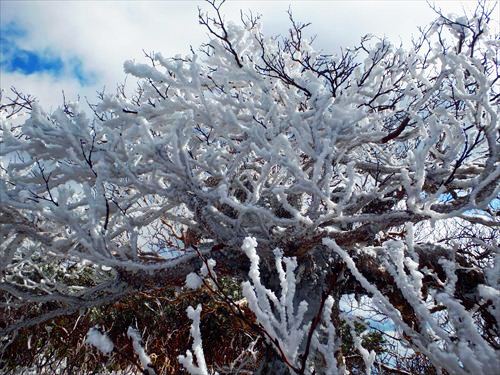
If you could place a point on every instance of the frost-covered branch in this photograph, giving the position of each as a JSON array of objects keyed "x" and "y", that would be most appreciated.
[
  {"x": 266, "y": 137},
  {"x": 459, "y": 344},
  {"x": 139, "y": 350},
  {"x": 284, "y": 322},
  {"x": 200, "y": 368}
]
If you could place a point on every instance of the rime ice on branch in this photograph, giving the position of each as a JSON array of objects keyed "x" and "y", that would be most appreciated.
[{"x": 377, "y": 168}]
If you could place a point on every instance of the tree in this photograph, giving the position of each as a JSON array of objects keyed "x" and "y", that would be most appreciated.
[{"x": 355, "y": 196}]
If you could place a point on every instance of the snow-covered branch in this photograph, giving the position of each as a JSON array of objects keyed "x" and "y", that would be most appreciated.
[
  {"x": 379, "y": 164},
  {"x": 200, "y": 368}
]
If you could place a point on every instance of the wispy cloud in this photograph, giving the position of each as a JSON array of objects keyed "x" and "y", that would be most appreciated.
[{"x": 16, "y": 59}]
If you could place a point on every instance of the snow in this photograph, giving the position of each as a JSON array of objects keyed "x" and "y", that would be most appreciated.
[
  {"x": 204, "y": 271},
  {"x": 287, "y": 165},
  {"x": 197, "y": 347},
  {"x": 139, "y": 350},
  {"x": 99, "y": 340},
  {"x": 193, "y": 281},
  {"x": 279, "y": 317}
]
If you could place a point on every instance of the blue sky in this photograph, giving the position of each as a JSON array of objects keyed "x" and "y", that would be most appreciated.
[
  {"x": 80, "y": 46},
  {"x": 15, "y": 58}
]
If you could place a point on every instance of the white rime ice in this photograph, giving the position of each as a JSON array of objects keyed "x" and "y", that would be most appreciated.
[
  {"x": 281, "y": 320},
  {"x": 469, "y": 353},
  {"x": 193, "y": 281},
  {"x": 99, "y": 340},
  {"x": 135, "y": 336},
  {"x": 287, "y": 324},
  {"x": 187, "y": 361},
  {"x": 368, "y": 356},
  {"x": 388, "y": 151}
]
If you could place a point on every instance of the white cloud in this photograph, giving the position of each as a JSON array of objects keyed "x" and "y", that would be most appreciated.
[
  {"x": 47, "y": 88},
  {"x": 105, "y": 34}
]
